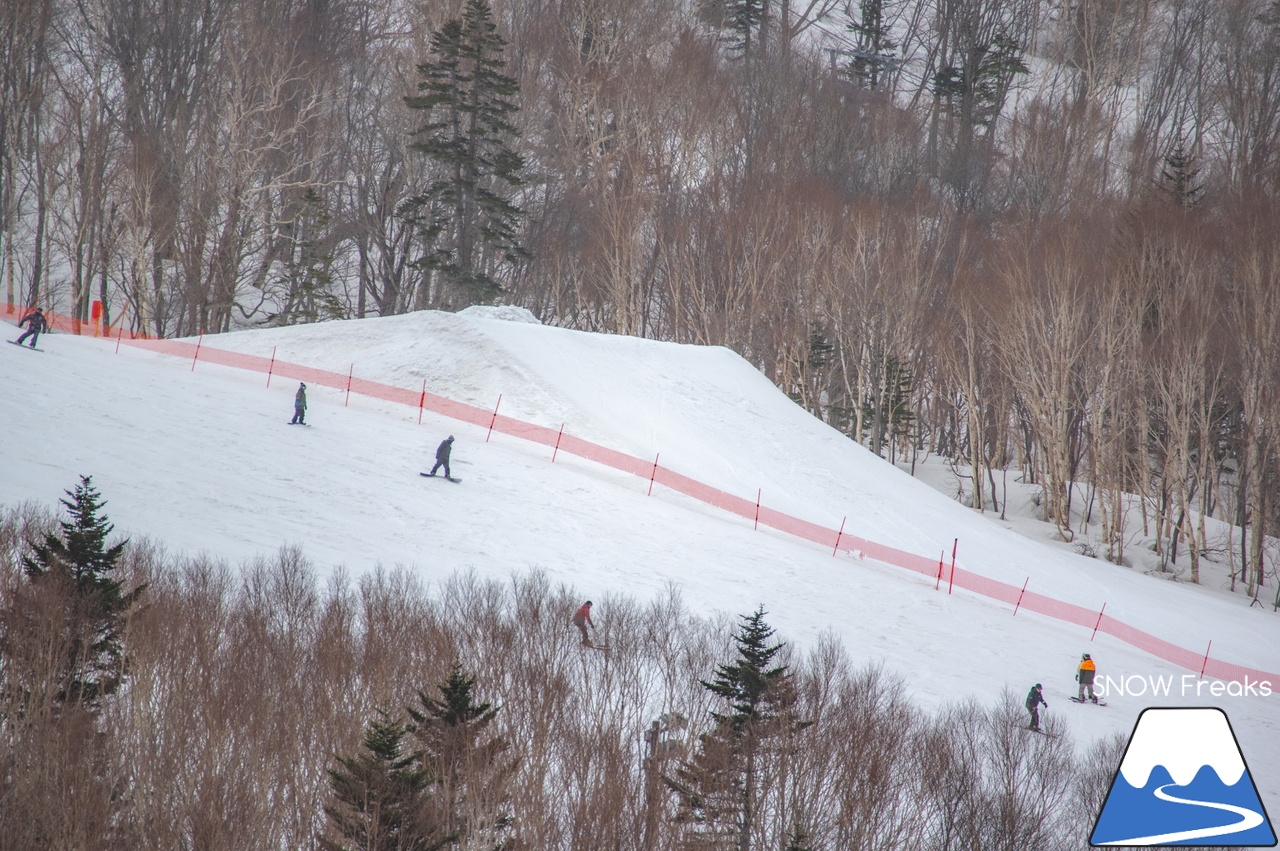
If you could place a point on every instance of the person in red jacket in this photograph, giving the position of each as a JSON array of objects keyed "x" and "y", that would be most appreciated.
[{"x": 582, "y": 620}]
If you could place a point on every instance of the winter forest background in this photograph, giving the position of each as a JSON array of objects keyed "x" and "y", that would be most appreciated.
[
  {"x": 1038, "y": 238},
  {"x": 1022, "y": 234}
]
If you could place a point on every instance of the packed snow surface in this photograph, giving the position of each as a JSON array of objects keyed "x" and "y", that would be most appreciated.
[{"x": 204, "y": 460}]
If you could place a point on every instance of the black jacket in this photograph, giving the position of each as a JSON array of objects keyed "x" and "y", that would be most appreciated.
[
  {"x": 35, "y": 322},
  {"x": 443, "y": 450}
]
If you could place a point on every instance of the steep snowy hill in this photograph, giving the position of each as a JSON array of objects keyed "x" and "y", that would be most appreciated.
[{"x": 203, "y": 459}]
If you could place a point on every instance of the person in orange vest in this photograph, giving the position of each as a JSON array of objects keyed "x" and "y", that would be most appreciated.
[
  {"x": 582, "y": 620},
  {"x": 1085, "y": 675}
]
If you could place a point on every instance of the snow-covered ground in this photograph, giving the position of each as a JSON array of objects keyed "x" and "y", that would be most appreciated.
[{"x": 204, "y": 460}]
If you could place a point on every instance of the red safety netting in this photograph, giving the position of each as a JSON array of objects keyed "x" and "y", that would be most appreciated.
[{"x": 561, "y": 441}]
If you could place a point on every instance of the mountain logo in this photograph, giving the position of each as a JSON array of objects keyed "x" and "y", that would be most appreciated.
[{"x": 1183, "y": 781}]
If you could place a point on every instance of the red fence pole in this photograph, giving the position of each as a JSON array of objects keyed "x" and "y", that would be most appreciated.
[
  {"x": 1206, "y": 659},
  {"x": 941, "y": 556},
  {"x": 350, "y": 373},
  {"x": 119, "y": 335},
  {"x": 1099, "y": 623},
  {"x": 654, "y": 474},
  {"x": 839, "y": 535},
  {"x": 272, "y": 366},
  {"x": 422, "y": 400},
  {"x": 197, "y": 355},
  {"x": 951, "y": 581},
  {"x": 1020, "y": 593},
  {"x": 495, "y": 418},
  {"x": 756, "y": 525},
  {"x": 556, "y": 451}
]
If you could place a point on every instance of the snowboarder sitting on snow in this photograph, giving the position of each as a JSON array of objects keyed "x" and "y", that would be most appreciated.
[
  {"x": 442, "y": 457},
  {"x": 1035, "y": 699},
  {"x": 299, "y": 405},
  {"x": 582, "y": 620},
  {"x": 1085, "y": 675},
  {"x": 36, "y": 323}
]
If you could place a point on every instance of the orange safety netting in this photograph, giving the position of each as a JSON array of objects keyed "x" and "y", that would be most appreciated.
[{"x": 560, "y": 441}]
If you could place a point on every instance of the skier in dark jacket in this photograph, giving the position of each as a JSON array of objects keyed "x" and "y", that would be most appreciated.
[
  {"x": 442, "y": 457},
  {"x": 36, "y": 323},
  {"x": 299, "y": 405},
  {"x": 1035, "y": 699}
]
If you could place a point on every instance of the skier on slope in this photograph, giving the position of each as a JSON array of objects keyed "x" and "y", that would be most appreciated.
[
  {"x": 36, "y": 324},
  {"x": 1084, "y": 676},
  {"x": 299, "y": 405},
  {"x": 1035, "y": 699},
  {"x": 442, "y": 457},
  {"x": 582, "y": 620}
]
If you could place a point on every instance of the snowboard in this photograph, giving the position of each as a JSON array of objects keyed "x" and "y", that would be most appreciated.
[
  {"x": 308, "y": 425},
  {"x": 447, "y": 478},
  {"x": 25, "y": 346},
  {"x": 1087, "y": 700}
]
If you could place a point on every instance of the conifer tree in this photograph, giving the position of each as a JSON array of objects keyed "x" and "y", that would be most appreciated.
[
  {"x": 874, "y": 43},
  {"x": 465, "y": 219},
  {"x": 717, "y": 787},
  {"x": 1179, "y": 177},
  {"x": 378, "y": 795},
  {"x": 92, "y": 663},
  {"x": 471, "y": 763}
]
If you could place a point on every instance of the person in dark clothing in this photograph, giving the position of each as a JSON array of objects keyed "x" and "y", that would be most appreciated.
[
  {"x": 442, "y": 457},
  {"x": 1035, "y": 699},
  {"x": 36, "y": 323},
  {"x": 299, "y": 406}
]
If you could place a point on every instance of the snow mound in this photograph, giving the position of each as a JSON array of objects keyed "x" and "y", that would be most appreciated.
[{"x": 504, "y": 312}]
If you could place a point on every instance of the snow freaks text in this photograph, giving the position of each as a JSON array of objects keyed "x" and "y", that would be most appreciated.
[{"x": 1187, "y": 685}]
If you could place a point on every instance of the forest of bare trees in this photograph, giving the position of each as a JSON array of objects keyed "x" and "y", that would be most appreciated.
[
  {"x": 1034, "y": 236},
  {"x": 255, "y": 706}
]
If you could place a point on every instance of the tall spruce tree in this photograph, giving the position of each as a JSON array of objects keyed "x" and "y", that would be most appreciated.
[
  {"x": 873, "y": 58},
  {"x": 92, "y": 658},
  {"x": 471, "y": 763},
  {"x": 717, "y": 788},
  {"x": 377, "y": 796},
  {"x": 466, "y": 222}
]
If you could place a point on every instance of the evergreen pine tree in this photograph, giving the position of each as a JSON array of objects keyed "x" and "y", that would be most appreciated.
[
  {"x": 307, "y": 278},
  {"x": 887, "y": 410},
  {"x": 977, "y": 89},
  {"x": 872, "y": 59},
  {"x": 92, "y": 664},
  {"x": 464, "y": 218},
  {"x": 377, "y": 796},
  {"x": 470, "y": 762},
  {"x": 745, "y": 20},
  {"x": 1179, "y": 177},
  {"x": 717, "y": 787}
]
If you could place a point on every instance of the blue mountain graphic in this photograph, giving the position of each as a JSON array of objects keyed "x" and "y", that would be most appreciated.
[{"x": 1130, "y": 812}]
